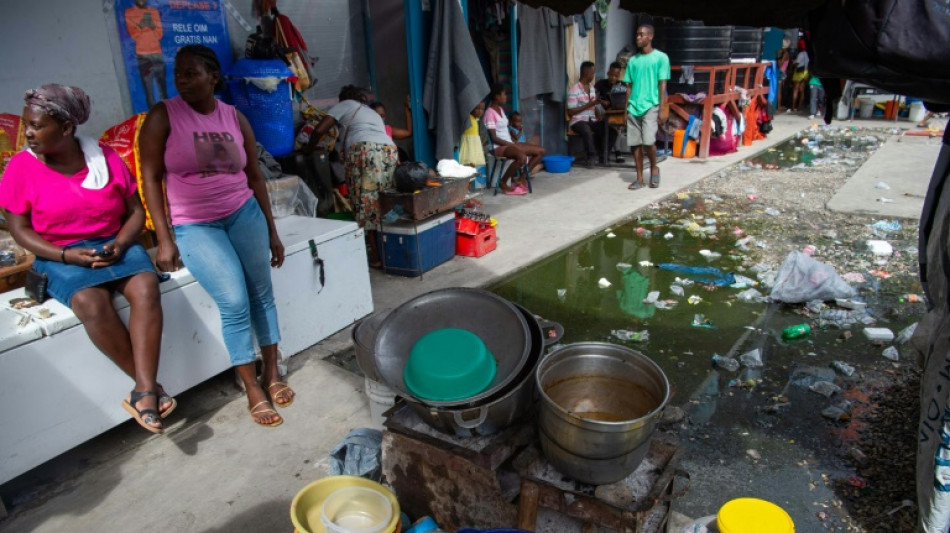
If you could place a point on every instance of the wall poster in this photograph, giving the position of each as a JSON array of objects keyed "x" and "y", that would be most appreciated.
[{"x": 152, "y": 31}]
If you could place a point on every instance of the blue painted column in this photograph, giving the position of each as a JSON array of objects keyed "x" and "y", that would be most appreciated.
[
  {"x": 513, "y": 29},
  {"x": 417, "y": 40}
]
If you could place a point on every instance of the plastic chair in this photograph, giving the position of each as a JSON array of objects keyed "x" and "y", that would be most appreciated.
[{"x": 494, "y": 165}]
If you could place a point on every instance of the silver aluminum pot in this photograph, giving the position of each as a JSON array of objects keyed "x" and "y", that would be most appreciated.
[
  {"x": 364, "y": 342},
  {"x": 511, "y": 405},
  {"x": 599, "y": 400},
  {"x": 496, "y": 321}
]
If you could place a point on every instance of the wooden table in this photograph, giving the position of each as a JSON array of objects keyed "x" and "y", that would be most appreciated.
[{"x": 748, "y": 76}]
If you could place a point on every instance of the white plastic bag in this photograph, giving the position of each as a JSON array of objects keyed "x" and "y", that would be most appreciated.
[{"x": 802, "y": 278}]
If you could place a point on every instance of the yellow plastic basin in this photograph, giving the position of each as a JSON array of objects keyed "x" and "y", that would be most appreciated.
[
  {"x": 752, "y": 515},
  {"x": 306, "y": 506}
]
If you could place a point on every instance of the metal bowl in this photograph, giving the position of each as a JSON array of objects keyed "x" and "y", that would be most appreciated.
[{"x": 493, "y": 319}]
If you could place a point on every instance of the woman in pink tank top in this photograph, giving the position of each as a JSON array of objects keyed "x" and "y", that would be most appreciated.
[{"x": 204, "y": 152}]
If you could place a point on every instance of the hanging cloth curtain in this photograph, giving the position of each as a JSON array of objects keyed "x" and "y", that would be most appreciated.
[{"x": 455, "y": 81}]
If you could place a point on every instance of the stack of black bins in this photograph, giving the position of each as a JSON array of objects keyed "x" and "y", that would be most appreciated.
[{"x": 692, "y": 43}]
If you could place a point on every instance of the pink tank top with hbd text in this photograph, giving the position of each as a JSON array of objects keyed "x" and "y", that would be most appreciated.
[{"x": 204, "y": 163}]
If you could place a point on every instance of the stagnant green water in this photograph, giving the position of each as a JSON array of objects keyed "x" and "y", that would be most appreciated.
[{"x": 566, "y": 288}]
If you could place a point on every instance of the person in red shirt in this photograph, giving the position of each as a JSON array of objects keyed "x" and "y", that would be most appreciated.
[{"x": 145, "y": 27}]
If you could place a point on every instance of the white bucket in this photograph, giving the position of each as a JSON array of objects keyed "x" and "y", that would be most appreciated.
[
  {"x": 381, "y": 398},
  {"x": 865, "y": 107},
  {"x": 917, "y": 112}
]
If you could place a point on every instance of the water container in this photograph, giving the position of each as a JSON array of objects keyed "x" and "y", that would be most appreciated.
[
  {"x": 270, "y": 113},
  {"x": 917, "y": 112},
  {"x": 752, "y": 515},
  {"x": 381, "y": 399},
  {"x": 746, "y": 43},
  {"x": 692, "y": 43},
  {"x": 865, "y": 107},
  {"x": 679, "y": 150}
]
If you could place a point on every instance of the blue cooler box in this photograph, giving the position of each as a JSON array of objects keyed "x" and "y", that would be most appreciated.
[{"x": 410, "y": 249}]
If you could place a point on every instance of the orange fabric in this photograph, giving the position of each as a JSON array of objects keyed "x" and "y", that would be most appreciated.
[
  {"x": 147, "y": 36},
  {"x": 752, "y": 132},
  {"x": 124, "y": 139}
]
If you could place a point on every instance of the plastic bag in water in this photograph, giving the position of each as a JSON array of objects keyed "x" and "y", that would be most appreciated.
[{"x": 802, "y": 278}]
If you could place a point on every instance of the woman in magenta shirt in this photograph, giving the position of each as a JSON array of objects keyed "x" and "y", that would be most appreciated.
[
  {"x": 73, "y": 204},
  {"x": 220, "y": 216}
]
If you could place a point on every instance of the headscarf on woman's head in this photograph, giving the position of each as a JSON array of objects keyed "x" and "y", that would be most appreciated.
[{"x": 65, "y": 103}]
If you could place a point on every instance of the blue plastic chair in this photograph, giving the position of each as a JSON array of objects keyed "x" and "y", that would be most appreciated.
[{"x": 494, "y": 165}]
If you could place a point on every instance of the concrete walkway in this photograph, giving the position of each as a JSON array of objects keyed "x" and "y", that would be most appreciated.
[
  {"x": 904, "y": 164},
  {"x": 214, "y": 470}
]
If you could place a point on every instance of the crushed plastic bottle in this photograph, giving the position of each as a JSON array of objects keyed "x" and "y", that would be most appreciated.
[
  {"x": 771, "y": 211},
  {"x": 652, "y": 297},
  {"x": 750, "y": 296},
  {"x": 700, "y": 321},
  {"x": 843, "y": 367},
  {"x": 603, "y": 283},
  {"x": 677, "y": 290},
  {"x": 752, "y": 359},
  {"x": 668, "y": 236},
  {"x": 628, "y": 335},
  {"x": 825, "y": 388},
  {"x": 891, "y": 353},
  {"x": 562, "y": 295},
  {"x": 725, "y": 363},
  {"x": 694, "y": 299}
]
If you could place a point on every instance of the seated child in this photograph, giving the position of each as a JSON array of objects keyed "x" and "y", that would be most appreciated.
[{"x": 516, "y": 127}]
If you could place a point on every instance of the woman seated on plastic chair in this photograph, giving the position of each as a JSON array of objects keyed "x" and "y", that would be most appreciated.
[{"x": 503, "y": 146}]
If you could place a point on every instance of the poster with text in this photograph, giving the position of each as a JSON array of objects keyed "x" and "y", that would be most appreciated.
[{"x": 152, "y": 32}]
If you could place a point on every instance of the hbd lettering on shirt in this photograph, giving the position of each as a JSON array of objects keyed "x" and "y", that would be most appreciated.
[{"x": 216, "y": 153}]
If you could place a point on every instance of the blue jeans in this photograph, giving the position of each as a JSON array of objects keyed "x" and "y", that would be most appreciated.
[{"x": 230, "y": 258}]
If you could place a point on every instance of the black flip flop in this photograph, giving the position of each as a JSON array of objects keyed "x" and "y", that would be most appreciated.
[
  {"x": 635, "y": 186},
  {"x": 655, "y": 179}
]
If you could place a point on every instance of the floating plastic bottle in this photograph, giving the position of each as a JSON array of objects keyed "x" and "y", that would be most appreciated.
[
  {"x": 725, "y": 363},
  {"x": 843, "y": 367},
  {"x": 798, "y": 331}
]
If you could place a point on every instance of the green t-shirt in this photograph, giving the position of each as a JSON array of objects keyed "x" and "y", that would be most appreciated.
[
  {"x": 644, "y": 73},
  {"x": 814, "y": 81}
]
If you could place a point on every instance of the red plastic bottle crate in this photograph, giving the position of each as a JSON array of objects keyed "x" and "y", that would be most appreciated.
[{"x": 476, "y": 245}]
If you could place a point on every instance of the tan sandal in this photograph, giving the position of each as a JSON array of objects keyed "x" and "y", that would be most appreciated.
[
  {"x": 144, "y": 417},
  {"x": 255, "y": 411},
  {"x": 283, "y": 387}
]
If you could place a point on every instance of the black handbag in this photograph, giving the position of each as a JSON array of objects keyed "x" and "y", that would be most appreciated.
[{"x": 36, "y": 285}]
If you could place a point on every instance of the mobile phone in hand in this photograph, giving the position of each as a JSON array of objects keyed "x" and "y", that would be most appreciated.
[{"x": 104, "y": 252}]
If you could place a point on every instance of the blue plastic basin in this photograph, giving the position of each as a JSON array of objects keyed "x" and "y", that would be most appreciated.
[{"x": 557, "y": 164}]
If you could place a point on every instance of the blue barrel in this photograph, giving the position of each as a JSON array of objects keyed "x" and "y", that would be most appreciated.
[{"x": 271, "y": 114}]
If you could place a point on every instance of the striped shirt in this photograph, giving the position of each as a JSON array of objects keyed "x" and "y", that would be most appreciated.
[{"x": 578, "y": 96}]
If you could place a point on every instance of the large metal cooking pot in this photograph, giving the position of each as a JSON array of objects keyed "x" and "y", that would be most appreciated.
[
  {"x": 493, "y": 319},
  {"x": 593, "y": 471},
  {"x": 511, "y": 404},
  {"x": 364, "y": 342},
  {"x": 599, "y": 401}
]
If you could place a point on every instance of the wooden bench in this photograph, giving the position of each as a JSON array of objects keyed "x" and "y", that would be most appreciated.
[{"x": 748, "y": 76}]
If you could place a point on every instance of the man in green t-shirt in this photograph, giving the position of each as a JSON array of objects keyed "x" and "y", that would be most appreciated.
[{"x": 646, "y": 76}]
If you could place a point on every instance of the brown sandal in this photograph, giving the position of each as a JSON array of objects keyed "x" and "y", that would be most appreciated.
[
  {"x": 283, "y": 387},
  {"x": 255, "y": 411}
]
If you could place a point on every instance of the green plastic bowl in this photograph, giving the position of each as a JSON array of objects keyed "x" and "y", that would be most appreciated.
[{"x": 449, "y": 364}]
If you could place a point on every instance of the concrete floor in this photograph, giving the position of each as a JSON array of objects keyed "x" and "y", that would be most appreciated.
[{"x": 214, "y": 470}]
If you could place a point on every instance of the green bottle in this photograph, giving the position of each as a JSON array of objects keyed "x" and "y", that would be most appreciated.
[{"x": 796, "y": 332}]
